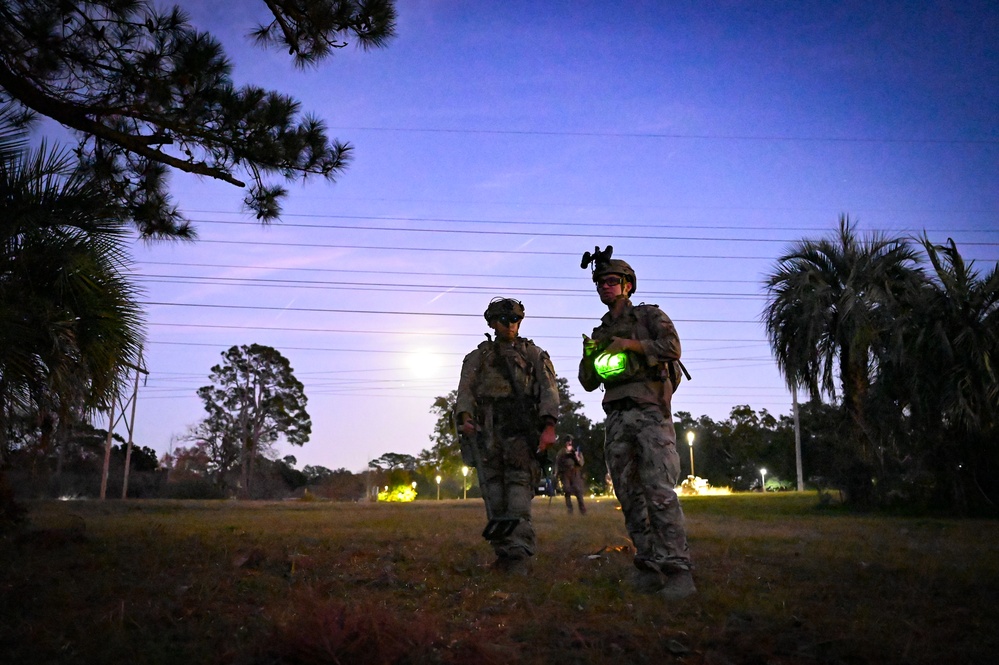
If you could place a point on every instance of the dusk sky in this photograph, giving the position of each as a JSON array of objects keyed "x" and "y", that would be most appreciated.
[{"x": 495, "y": 142}]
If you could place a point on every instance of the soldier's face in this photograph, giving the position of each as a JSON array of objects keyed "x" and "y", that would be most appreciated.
[
  {"x": 612, "y": 287},
  {"x": 506, "y": 328}
]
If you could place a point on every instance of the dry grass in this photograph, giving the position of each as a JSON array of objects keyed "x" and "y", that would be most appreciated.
[{"x": 223, "y": 582}]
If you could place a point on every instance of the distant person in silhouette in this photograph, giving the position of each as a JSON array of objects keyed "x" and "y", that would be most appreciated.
[{"x": 569, "y": 464}]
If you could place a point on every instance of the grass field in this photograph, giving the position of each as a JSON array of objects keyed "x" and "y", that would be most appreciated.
[{"x": 780, "y": 581}]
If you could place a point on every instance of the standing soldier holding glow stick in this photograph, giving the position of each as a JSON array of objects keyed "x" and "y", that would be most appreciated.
[{"x": 634, "y": 354}]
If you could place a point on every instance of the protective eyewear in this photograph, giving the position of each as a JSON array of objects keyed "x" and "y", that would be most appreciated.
[
  {"x": 611, "y": 280},
  {"x": 507, "y": 319}
]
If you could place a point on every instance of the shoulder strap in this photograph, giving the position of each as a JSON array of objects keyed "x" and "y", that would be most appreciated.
[{"x": 675, "y": 369}]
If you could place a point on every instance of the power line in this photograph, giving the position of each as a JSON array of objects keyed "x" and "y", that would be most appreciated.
[
  {"x": 448, "y": 250},
  {"x": 574, "y": 224},
  {"x": 700, "y": 359},
  {"x": 676, "y": 135},
  {"x": 532, "y": 233},
  {"x": 257, "y": 282},
  {"x": 326, "y": 310},
  {"x": 620, "y": 205},
  {"x": 418, "y": 273},
  {"x": 406, "y": 333}
]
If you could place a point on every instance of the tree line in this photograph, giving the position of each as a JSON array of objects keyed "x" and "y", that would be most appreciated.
[
  {"x": 897, "y": 360},
  {"x": 894, "y": 340}
]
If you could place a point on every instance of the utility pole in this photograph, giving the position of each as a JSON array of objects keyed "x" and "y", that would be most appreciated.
[{"x": 129, "y": 424}]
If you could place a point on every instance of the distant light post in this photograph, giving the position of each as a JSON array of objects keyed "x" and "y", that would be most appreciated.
[
  {"x": 763, "y": 475},
  {"x": 464, "y": 482},
  {"x": 690, "y": 444},
  {"x": 438, "y": 487}
]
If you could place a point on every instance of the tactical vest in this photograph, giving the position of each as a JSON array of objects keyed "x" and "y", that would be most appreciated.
[
  {"x": 627, "y": 327},
  {"x": 636, "y": 325},
  {"x": 506, "y": 379}
]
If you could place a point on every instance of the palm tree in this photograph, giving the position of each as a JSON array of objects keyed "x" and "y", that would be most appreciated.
[
  {"x": 944, "y": 371},
  {"x": 831, "y": 304},
  {"x": 70, "y": 324}
]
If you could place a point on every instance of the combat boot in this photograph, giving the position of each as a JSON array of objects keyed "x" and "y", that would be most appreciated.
[
  {"x": 515, "y": 562},
  {"x": 512, "y": 566},
  {"x": 646, "y": 581},
  {"x": 678, "y": 585}
]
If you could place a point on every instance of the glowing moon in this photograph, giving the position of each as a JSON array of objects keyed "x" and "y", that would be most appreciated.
[{"x": 424, "y": 363}]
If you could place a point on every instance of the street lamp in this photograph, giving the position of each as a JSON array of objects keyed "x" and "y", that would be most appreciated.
[
  {"x": 464, "y": 482},
  {"x": 690, "y": 444},
  {"x": 763, "y": 476},
  {"x": 438, "y": 487}
]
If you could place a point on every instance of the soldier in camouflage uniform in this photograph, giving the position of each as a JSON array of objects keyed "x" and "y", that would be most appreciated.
[
  {"x": 631, "y": 354},
  {"x": 506, "y": 411}
]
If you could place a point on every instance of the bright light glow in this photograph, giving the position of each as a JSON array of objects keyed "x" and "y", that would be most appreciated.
[
  {"x": 690, "y": 445},
  {"x": 425, "y": 363},
  {"x": 401, "y": 493},
  {"x": 610, "y": 365},
  {"x": 700, "y": 486}
]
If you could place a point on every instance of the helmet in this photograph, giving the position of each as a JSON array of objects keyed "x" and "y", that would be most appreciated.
[
  {"x": 603, "y": 265},
  {"x": 616, "y": 267},
  {"x": 503, "y": 306}
]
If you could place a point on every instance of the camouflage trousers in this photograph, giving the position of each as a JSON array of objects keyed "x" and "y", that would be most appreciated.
[
  {"x": 574, "y": 487},
  {"x": 507, "y": 478},
  {"x": 644, "y": 466}
]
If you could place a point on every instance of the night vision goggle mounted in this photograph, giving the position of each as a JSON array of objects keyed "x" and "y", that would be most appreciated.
[{"x": 598, "y": 258}]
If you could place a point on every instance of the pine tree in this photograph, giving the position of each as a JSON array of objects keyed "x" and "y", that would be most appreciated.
[
  {"x": 254, "y": 400},
  {"x": 145, "y": 92}
]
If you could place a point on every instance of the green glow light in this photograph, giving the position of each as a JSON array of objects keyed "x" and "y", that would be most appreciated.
[
  {"x": 609, "y": 365},
  {"x": 401, "y": 493}
]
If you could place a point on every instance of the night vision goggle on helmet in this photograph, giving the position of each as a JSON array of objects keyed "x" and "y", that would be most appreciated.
[
  {"x": 507, "y": 309},
  {"x": 603, "y": 264}
]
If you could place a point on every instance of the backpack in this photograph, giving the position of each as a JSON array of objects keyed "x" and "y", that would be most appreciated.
[{"x": 672, "y": 370}]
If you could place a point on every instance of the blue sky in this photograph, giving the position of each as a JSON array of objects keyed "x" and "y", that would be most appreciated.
[{"x": 497, "y": 141}]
